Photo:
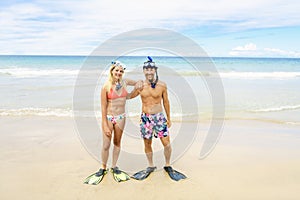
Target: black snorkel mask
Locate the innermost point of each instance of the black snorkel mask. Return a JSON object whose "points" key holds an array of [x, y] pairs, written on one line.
{"points": [[151, 64]]}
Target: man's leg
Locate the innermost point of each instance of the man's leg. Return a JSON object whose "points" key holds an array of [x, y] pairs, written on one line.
{"points": [[148, 151], [167, 149]]}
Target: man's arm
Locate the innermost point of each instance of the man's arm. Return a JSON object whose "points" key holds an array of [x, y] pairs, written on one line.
{"points": [[166, 104]]}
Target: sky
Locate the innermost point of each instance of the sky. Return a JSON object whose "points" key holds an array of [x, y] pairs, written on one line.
{"points": [[223, 28]]}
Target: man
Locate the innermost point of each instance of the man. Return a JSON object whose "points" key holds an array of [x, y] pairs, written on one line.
{"points": [[154, 96]]}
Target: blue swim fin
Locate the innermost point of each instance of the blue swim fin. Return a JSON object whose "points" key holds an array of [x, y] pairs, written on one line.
{"points": [[174, 175], [143, 174]]}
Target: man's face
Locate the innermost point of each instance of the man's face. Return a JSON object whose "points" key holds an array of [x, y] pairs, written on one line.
{"points": [[149, 73]]}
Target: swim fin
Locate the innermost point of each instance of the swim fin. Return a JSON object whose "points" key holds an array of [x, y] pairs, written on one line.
{"points": [[174, 175], [143, 174], [95, 178], [119, 175]]}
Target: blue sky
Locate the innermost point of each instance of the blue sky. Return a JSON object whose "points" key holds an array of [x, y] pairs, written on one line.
{"points": [[256, 28]]}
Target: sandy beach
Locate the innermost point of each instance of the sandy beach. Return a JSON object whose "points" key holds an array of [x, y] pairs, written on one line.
{"points": [[42, 158], [220, 60]]}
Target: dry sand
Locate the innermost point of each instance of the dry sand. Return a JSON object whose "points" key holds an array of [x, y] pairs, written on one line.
{"points": [[42, 158]]}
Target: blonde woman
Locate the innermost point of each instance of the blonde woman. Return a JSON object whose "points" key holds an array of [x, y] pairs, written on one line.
{"points": [[113, 99]]}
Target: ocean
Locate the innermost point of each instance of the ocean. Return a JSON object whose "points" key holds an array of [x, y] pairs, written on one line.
{"points": [[264, 89]]}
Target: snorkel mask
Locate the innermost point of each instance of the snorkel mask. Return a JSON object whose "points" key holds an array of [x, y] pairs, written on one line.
{"points": [[118, 64], [151, 64]]}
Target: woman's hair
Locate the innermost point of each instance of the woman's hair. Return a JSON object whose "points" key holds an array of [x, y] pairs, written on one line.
{"points": [[109, 82]]}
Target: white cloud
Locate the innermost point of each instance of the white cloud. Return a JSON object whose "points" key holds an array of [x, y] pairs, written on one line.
{"points": [[247, 47], [77, 27], [251, 50], [283, 53], [248, 50]]}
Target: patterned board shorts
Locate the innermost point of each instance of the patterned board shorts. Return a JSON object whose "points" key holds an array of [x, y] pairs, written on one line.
{"points": [[153, 125]]}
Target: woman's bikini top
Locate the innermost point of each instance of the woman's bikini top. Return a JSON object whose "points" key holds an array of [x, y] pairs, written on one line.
{"points": [[113, 95]]}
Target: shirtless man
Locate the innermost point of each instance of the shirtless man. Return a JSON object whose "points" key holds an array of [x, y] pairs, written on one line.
{"points": [[154, 96]]}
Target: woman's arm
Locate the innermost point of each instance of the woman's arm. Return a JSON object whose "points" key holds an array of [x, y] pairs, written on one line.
{"points": [[134, 93], [130, 82], [105, 127], [138, 87]]}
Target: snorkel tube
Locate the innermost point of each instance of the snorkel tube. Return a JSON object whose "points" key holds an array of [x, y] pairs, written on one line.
{"points": [[151, 64]]}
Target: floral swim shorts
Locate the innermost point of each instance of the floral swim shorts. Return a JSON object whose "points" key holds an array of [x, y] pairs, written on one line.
{"points": [[153, 125]]}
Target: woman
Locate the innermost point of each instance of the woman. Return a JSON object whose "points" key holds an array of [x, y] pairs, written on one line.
{"points": [[113, 100]]}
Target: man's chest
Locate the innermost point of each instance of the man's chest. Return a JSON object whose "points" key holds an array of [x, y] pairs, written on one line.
{"points": [[151, 92]]}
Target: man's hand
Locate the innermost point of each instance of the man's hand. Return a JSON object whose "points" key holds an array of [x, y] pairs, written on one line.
{"points": [[169, 123]]}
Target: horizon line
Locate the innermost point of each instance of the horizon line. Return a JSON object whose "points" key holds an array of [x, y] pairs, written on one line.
{"points": [[51, 55]]}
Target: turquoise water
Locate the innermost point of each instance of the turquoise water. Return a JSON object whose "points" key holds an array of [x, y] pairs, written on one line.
{"points": [[255, 88]]}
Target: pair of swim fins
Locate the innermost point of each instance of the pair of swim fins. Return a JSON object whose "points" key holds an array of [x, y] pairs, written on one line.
{"points": [[173, 174], [96, 178]]}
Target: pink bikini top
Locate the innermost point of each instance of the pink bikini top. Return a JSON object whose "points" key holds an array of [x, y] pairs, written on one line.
{"points": [[113, 95]]}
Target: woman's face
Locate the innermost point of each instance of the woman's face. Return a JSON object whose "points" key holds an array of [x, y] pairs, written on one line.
{"points": [[117, 72]]}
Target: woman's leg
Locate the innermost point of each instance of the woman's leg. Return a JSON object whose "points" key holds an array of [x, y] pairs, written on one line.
{"points": [[106, 146], [118, 132]]}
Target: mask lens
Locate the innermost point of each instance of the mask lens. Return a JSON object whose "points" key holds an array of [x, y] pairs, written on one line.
{"points": [[149, 64], [116, 63]]}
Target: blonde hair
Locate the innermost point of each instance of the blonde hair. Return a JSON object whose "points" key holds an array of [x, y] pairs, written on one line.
{"points": [[108, 84]]}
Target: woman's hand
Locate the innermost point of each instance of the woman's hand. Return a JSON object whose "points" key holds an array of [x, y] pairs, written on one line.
{"points": [[139, 85], [106, 131]]}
